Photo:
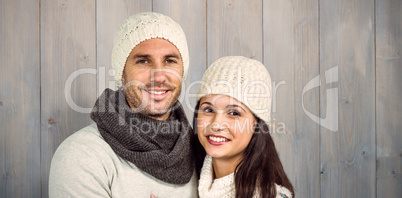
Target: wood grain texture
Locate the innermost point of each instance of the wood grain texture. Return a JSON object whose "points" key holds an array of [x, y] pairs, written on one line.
{"points": [[19, 99], [191, 15], [348, 155], [291, 56], [388, 94], [43, 43], [234, 27], [68, 45], [109, 15]]}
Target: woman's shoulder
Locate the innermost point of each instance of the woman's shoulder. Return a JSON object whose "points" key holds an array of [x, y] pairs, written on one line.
{"points": [[282, 192]]}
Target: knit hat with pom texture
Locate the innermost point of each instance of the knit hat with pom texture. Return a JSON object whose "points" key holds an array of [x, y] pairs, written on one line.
{"points": [[246, 80], [141, 27]]}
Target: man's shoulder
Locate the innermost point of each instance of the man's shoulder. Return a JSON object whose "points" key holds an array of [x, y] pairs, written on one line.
{"points": [[87, 141], [89, 132]]}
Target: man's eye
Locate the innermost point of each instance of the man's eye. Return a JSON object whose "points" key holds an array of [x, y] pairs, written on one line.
{"points": [[171, 61], [142, 61], [234, 113]]}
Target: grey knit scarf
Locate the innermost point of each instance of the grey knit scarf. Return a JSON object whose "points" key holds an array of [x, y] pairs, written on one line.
{"points": [[159, 148]]}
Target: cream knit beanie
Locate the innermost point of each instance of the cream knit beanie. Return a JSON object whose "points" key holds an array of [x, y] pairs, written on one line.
{"points": [[141, 27], [244, 79]]}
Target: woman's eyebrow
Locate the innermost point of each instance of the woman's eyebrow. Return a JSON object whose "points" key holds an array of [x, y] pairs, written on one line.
{"points": [[208, 103], [234, 105]]}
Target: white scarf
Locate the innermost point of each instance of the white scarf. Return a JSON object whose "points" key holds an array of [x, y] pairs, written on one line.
{"points": [[224, 187]]}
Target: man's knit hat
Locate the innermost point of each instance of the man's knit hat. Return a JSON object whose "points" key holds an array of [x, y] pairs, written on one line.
{"points": [[141, 27], [244, 79]]}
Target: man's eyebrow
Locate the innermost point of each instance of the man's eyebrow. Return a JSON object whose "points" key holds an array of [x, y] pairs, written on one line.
{"points": [[173, 55], [141, 56]]}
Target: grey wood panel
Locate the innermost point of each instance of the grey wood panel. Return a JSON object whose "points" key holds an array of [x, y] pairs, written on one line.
{"points": [[347, 155], [191, 15], [284, 34], [234, 27], [68, 47], [388, 94], [291, 55], [19, 99], [109, 15]]}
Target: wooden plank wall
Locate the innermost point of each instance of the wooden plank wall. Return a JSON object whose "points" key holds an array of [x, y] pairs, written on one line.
{"points": [[68, 45], [291, 55], [336, 70], [19, 99], [348, 162], [388, 91]]}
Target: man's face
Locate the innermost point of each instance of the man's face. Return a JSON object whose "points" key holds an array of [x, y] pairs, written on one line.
{"points": [[152, 78]]}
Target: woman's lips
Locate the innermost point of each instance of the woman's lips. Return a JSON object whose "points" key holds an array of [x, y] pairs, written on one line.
{"points": [[217, 140]]}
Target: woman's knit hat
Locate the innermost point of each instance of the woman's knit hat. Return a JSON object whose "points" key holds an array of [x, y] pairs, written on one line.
{"points": [[141, 27], [246, 80]]}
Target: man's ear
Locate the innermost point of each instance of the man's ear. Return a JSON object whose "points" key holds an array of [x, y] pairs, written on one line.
{"points": [[122, 78]]}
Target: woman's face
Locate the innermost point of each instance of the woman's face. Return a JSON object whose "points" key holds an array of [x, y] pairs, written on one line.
{"points": [[225, 127]]}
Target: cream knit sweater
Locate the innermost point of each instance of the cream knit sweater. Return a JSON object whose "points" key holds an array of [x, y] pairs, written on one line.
{"points": [[85, 165], [224, 187]]}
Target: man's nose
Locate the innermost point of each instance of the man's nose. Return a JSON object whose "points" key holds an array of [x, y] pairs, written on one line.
{"points": [[159, 73]]}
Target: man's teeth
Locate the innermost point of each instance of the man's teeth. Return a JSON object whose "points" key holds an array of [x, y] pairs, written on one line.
{"points": [[157, 92], [217, 139]]}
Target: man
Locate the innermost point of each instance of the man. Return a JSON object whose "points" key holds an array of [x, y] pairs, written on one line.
{"points": [[140, 142]]}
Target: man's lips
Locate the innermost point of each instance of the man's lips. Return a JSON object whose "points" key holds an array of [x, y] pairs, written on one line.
{"points": [[157, 94]]}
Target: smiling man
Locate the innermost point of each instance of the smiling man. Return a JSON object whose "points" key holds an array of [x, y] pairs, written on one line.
{"points": [[140, 142], [153, 71]]}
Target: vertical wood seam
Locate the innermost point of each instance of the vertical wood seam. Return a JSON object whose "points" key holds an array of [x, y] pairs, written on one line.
{"points": [[96, 52], [206, 35], [262, 35], [319, 95], [375, 95], [40, 99]]}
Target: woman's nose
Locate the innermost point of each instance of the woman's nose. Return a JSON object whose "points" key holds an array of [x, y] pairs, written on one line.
{"points": [[218, 123]]}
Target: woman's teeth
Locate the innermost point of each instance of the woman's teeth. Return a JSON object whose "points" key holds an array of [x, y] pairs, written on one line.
{"points": [[217, 139]]}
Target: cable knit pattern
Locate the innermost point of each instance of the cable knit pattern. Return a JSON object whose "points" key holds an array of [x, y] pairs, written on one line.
{"points": [[245, 79], [224, 187]]}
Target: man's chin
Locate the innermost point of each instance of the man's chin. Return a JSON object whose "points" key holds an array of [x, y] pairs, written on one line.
{"points": [[153, 111]]}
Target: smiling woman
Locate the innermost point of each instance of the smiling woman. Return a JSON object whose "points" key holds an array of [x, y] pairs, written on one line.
{"points": [[234, 147], [225, 128]]}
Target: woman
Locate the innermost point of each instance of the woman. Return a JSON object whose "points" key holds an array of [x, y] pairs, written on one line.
{"points": [[233, 108]]}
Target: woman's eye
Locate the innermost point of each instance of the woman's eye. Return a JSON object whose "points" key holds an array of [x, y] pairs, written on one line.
{"points": [[207, 110], [234, 113]]}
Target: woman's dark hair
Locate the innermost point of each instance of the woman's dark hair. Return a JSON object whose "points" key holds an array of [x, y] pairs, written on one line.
{"points": [[260, 167]]}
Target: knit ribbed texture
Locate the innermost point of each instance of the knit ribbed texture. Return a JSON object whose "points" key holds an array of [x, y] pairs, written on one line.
{"points": [[224, 187], [246, 80], [141, 27], [214, 188], [159, 148]]}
